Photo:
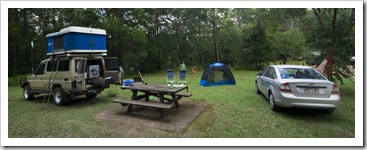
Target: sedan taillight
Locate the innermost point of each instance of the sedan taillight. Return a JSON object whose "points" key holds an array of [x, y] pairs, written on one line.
{"points": [[285, 87], [335, 89]]}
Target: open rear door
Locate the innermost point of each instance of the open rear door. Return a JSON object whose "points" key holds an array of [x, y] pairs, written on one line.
{"points": [[113, 69]]}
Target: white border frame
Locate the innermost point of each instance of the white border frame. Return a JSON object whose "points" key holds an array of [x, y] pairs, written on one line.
{"points": [[357, 141]]}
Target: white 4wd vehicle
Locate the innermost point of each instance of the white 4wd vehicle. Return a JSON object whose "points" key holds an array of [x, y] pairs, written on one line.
{"points": [[76, 66], [72, 76]]}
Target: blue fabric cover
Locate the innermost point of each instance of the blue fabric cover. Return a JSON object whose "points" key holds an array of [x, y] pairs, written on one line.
{"points": [[79, 41]]}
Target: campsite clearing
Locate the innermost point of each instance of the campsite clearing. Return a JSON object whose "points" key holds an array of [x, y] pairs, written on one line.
{"points": [[233, 111]]}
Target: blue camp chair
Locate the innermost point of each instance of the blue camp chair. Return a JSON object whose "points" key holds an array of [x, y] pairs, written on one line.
{"points": [[182, 78], [170, 76]]}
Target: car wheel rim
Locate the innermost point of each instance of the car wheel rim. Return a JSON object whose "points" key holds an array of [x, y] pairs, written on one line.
{"points": [[271, 101], [26, 94], [57, 97]]}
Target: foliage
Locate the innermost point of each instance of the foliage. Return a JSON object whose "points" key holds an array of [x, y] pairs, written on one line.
{"points": [[290, 43], [155, 39], [256, 48], [111, 92], [230, 45], [15, 80], [332, 33]]}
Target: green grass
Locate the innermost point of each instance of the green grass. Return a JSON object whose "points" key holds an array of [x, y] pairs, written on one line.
{"points": [[15, 81], [233, 111]]}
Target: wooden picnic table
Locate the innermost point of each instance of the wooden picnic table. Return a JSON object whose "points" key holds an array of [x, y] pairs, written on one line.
{"points": [[157, 90]]}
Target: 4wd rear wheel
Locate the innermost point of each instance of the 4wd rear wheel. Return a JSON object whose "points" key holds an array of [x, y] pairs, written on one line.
{"points": [[60, 97], [27, 94], [272, 104]]}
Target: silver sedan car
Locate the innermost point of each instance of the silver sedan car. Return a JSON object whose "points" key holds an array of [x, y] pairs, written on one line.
{"points": [[297, 86]]}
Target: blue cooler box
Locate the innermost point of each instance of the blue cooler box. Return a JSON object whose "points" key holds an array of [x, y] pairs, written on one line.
{"points": [[76, 40], [128, 82]]}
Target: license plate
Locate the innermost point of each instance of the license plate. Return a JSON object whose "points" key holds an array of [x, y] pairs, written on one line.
{"points": [[311, 91]]}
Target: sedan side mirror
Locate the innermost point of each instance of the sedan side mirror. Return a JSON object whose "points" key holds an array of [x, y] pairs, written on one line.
{"points": [[258, 73]]}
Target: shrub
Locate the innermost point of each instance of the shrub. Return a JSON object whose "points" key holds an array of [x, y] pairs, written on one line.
{"points": [[111, 93]]}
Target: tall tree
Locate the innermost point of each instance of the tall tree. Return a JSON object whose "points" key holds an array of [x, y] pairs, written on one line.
{"points": [[335, 38], [290, 43], [256, 47], [230, 43], [215, 35], [153, 39]]}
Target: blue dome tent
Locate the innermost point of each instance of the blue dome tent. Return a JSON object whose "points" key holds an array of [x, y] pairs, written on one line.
{"points": [[217, 74]]}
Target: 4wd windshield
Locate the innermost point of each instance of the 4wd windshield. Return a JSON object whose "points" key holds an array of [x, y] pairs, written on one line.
{"points": [[300, 73]]}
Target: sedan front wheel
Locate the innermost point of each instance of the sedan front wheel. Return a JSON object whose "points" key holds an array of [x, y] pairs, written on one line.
{"points": [[257, 88]]}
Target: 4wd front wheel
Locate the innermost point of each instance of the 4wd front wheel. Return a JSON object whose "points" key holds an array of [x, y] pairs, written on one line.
{"points": [[27, 94], [60, 97]]}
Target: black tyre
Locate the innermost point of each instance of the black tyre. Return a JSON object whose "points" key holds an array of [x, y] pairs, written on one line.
{"points": [[257, 88], [27, 94], [60, 97], [328, 111], [89, 96], [272, 104]]}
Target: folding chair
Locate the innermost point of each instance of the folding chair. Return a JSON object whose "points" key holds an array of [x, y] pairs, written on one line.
{"points": [[170, 76], [182, 78], [139, 79]]}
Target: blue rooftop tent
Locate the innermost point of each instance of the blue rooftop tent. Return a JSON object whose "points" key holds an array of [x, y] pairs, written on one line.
{"points": [[217, 74]]}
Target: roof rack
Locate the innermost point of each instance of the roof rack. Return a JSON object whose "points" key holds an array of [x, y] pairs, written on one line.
{"points": [[77, 54]]}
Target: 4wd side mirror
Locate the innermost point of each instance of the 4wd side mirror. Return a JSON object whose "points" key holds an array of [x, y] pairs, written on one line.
{"points": [[258, 73]]}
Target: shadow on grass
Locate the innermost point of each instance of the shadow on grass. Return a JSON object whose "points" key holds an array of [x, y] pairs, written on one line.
{"points": [[78, 101], [148, 114], [301, 113]]}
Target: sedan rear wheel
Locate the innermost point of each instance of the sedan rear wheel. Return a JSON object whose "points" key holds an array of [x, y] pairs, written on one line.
{"points": [[328, 111], [272, 104]]}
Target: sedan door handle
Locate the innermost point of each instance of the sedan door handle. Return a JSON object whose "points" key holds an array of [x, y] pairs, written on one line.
{"points": [[267, 82]]}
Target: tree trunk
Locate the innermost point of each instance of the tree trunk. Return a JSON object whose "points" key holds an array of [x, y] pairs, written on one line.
{"points": [[284, 60], [215, 37], [329, 66], [156, 22], [25, 35]]}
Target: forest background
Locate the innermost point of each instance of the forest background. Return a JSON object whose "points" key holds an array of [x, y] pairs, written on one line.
{"points": [[154, 39]]}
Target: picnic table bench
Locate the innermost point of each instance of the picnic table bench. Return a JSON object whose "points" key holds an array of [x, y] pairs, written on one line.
{"points": [[157, 90], [183, 94]]}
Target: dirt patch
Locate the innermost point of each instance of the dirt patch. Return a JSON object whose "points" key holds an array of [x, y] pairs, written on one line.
{"points": [[176, 120]]}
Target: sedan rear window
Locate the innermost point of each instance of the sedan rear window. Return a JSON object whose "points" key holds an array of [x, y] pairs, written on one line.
{"points": [[300, 73]]}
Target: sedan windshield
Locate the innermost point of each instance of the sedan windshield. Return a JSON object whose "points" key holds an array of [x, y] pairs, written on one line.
{"points": [[300, 73]]}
